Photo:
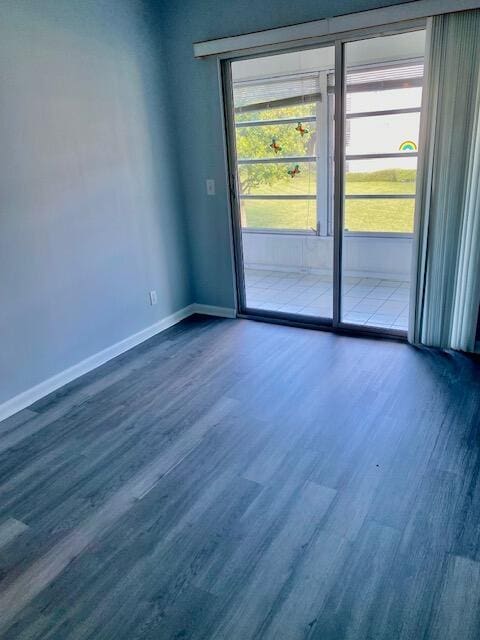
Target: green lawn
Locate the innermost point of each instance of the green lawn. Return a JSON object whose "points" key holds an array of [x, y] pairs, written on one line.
{"points": [[360, 215]]}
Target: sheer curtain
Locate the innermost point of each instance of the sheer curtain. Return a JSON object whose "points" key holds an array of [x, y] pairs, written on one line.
{"points": [[446, 283]]}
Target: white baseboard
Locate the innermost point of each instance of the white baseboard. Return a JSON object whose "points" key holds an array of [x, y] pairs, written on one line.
{"points": [[28, 397]]}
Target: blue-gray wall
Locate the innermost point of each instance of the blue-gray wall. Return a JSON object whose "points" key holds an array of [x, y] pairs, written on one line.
{"points": [[194, 90], [90, 219]]}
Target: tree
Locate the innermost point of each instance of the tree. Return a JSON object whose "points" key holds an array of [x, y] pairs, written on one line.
{"points": [[254, 142]]}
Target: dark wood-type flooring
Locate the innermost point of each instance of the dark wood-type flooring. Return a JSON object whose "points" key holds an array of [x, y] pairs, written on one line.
{"points": [[233, 480]]}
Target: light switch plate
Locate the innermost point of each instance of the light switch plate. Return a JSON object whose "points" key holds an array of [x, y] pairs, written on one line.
{"points": [[153, 297], [210, 187]]}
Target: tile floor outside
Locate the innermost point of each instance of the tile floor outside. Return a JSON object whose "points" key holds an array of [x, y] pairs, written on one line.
{"points": [[365, 301]]}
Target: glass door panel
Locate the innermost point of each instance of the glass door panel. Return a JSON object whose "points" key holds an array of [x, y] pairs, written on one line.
{"points": [[283, 121], [384, 78]]}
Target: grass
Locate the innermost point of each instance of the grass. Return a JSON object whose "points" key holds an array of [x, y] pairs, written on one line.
{"points": [[395, 216], [360, 215]]}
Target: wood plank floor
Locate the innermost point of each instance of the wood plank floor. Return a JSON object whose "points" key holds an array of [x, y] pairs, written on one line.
{"points": [[234, 480]]}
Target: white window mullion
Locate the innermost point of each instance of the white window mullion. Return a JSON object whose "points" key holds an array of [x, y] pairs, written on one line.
{"points": [[322, 153]]}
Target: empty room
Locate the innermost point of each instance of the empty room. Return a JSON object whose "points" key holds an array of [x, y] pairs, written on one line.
{"points": [[239, 320]]}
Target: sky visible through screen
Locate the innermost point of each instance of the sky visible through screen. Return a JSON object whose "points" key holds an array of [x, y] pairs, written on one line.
{"points": [[382, 134]]}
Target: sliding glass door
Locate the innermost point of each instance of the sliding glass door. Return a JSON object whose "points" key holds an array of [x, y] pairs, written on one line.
{"points": [[283, 123], [381, 131], [323, 215]]}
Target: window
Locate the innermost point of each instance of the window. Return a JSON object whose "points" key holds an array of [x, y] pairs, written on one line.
{"points": [[382, 125], [284, 138], [278, 143]]}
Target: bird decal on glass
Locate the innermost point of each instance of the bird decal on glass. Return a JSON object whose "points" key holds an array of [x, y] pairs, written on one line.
{"points": [[301, 129], [276, 147], [294, 172]]}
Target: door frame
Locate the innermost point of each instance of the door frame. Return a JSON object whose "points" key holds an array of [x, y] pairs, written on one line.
{"points": [[227, 111]]}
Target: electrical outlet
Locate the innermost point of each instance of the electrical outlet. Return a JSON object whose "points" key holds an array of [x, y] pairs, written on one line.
{"points": [[153, 297], [210, 187]]}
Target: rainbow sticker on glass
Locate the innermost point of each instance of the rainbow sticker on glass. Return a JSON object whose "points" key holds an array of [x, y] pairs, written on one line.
{"points": [[408, 145]]}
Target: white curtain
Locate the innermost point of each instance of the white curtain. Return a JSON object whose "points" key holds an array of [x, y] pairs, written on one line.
{"points": [[446, 285]]}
